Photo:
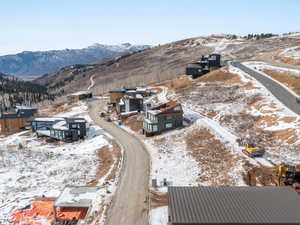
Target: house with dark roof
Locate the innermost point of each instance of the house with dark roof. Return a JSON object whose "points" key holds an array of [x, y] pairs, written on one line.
{"points": [[204, 65], [233, 205], [15, 119], [116, 95], [59, 128], [130, 102], [164, 117]]}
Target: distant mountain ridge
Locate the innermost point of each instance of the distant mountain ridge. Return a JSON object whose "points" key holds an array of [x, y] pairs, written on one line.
{"points": [[37, 63]]}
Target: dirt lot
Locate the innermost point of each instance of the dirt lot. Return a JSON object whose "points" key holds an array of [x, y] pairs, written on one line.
{"points": [[107, 157], [158, 199], [134, 122], [214, 158], [290, 81]]}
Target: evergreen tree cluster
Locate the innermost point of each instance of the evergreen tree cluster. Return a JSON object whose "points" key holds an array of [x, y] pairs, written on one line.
{"points": [[14, 91], [259, 36]]}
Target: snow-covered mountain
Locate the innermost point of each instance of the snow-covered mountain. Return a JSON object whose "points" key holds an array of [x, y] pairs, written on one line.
{"points": [[37, 63]]}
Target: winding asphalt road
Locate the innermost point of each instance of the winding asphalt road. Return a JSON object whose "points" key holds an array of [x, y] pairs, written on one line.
{"points": [[130, 204], [281, 93]]}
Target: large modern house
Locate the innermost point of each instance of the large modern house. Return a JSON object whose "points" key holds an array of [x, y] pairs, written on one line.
{"points": [[166, 116], [15, 119], [130, 103], [233, 205], [115, 96], [204, 65], [64, 129]]}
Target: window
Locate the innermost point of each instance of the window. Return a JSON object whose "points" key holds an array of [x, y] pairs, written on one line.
{"points": [[154, 128], [168, 117], [177, 108], [74, 126], [169, 125]]}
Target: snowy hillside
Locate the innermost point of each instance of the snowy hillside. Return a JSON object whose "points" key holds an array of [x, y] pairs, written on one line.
{"points": [[31, 167]]}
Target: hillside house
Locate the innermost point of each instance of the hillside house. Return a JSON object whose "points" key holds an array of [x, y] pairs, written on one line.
{"points": [[75, 97], [15, 119], [204, 65], [164, 117], [130, 102], [233, 205], [116, 95], [64, 129]]}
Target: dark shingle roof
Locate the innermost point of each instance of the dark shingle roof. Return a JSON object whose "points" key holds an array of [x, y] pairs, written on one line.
{"points": [[234, 205]]}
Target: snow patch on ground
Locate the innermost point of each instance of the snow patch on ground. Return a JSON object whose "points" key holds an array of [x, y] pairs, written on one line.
{"points": [[159, 216], [171, 160], [258, 66], [30, 167], [293, 52]]}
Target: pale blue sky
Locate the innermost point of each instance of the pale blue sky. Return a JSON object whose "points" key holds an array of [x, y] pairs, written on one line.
{"points": [[59, 24]]}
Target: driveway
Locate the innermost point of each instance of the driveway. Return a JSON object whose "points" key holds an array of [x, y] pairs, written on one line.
{"points": [[281, 93], [130, 204]]}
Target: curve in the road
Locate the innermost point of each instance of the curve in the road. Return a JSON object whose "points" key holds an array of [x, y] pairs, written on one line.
{"points": [[92, 83], [283, 95], [130, 205]]}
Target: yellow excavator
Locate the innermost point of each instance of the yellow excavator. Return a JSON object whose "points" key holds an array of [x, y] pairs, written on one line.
{"points": [[288, 175], [253, 151]]}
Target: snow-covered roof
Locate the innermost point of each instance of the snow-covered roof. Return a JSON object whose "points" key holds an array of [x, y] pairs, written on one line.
{"points": [[61, 125], [77, 197], [131, 91], [128, 113], [81, 93], [79, 120], [48, 119], [23, 107], [43, 132], [142, 89], [154, 112]]}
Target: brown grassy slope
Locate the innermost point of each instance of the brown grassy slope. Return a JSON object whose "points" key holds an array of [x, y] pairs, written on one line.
{"points": [[149, 66], [290, 81], [217, 76], [156, 64], [214, 158]]}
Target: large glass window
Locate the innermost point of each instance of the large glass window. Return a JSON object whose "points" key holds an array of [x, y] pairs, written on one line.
{"points": [[169, 125], [154, 128], [177, 108], [74, 126]]}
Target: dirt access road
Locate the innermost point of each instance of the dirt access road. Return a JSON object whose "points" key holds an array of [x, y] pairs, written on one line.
{"points": [[130, 204], [281, 93]]}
